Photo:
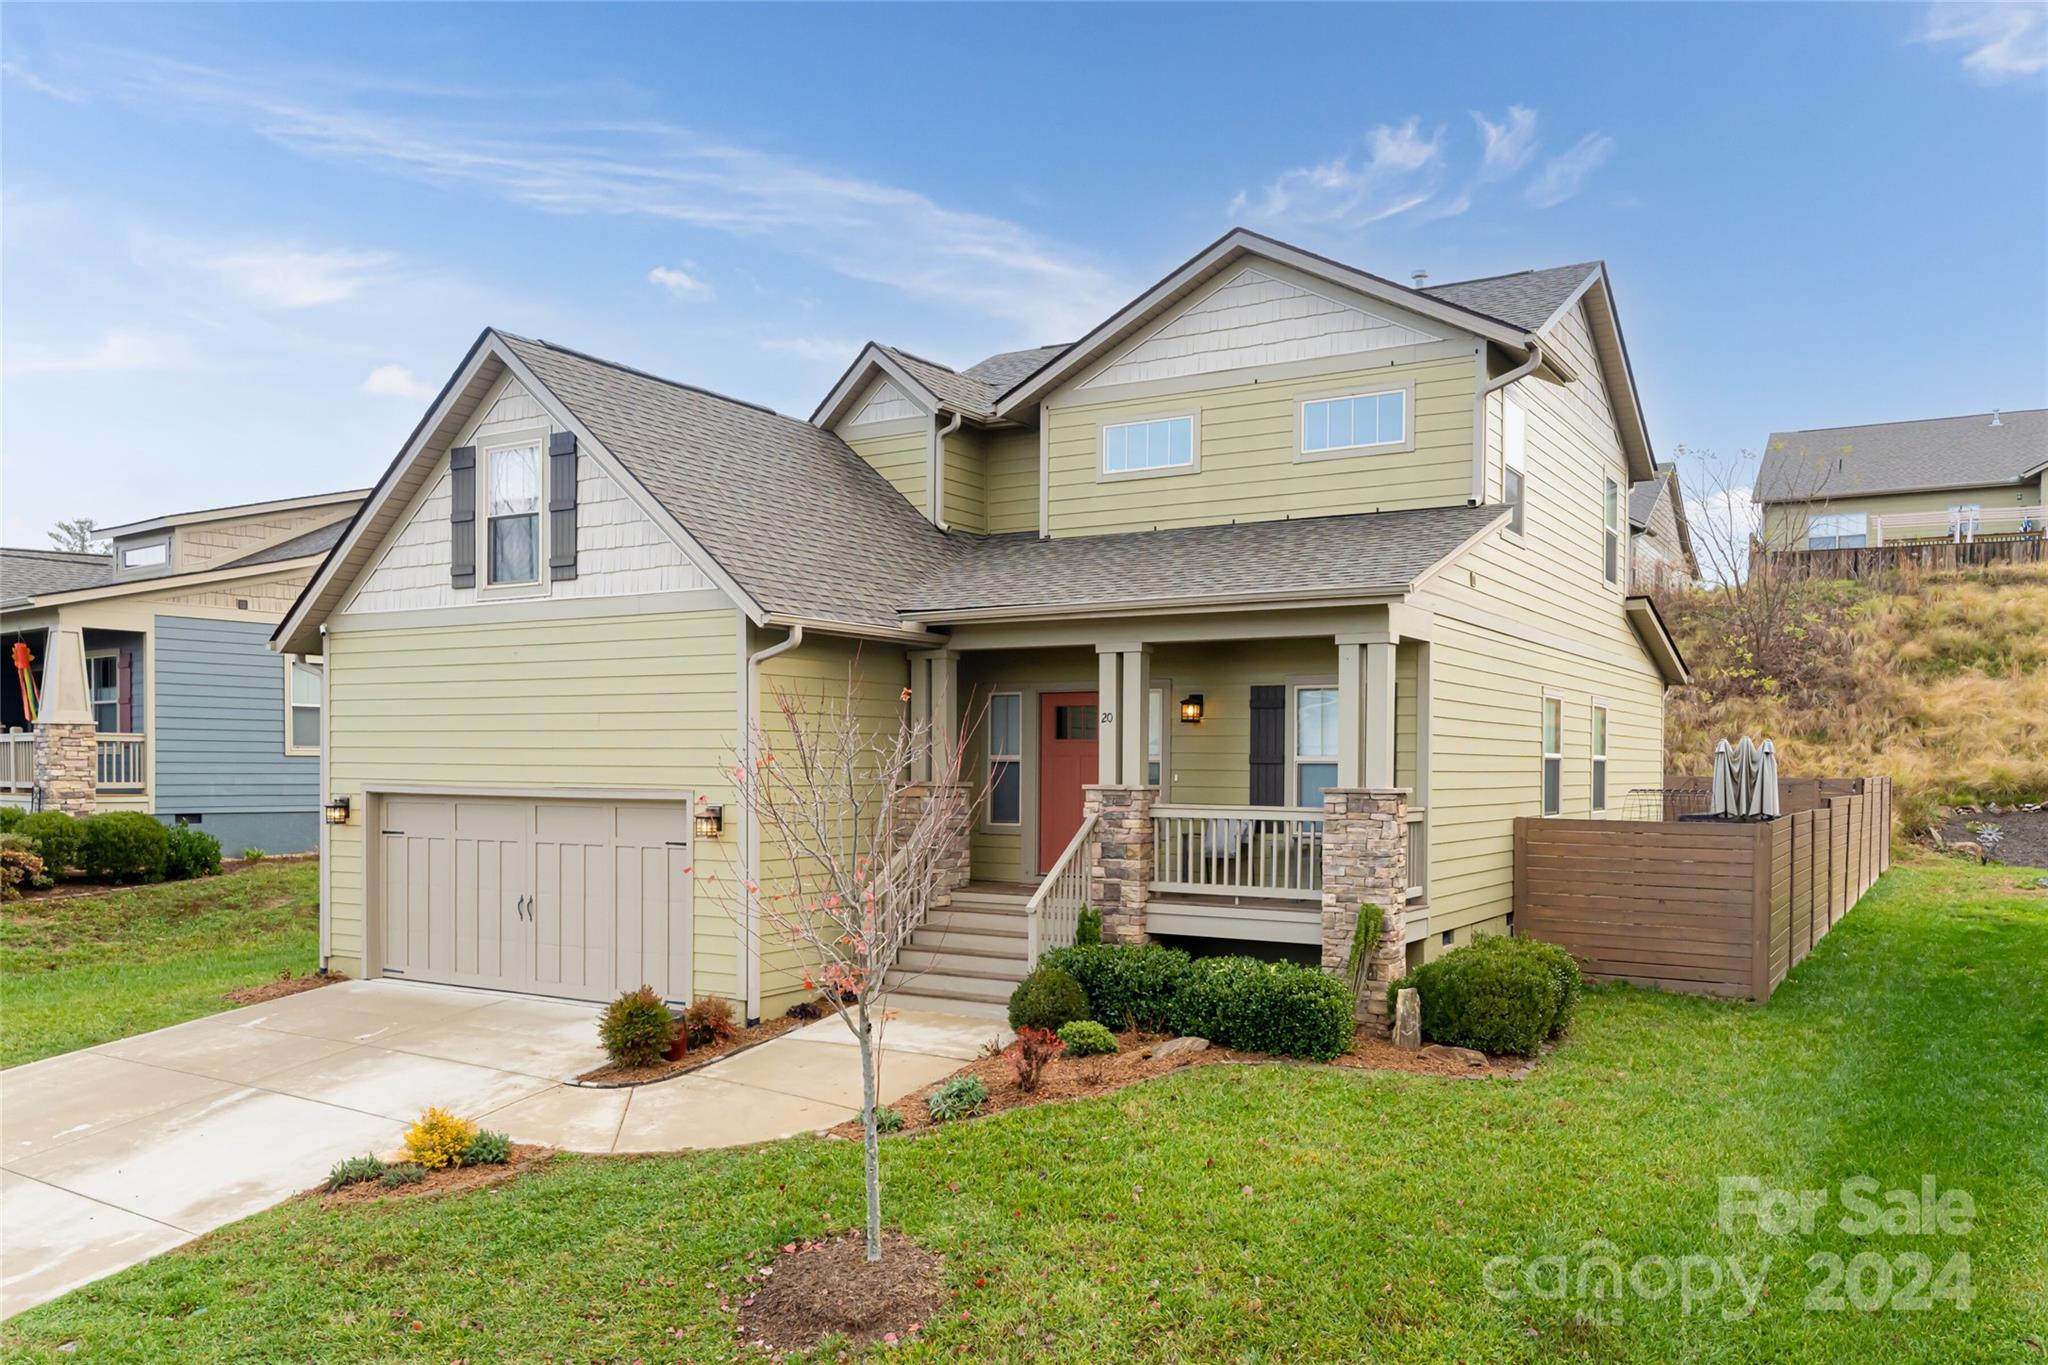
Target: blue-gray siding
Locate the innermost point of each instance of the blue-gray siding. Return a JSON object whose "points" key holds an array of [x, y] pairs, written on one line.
{"points": [[219, 735]]}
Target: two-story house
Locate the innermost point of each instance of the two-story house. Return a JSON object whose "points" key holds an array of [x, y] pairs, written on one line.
{"points": [[142, 679], [1280, 593]]}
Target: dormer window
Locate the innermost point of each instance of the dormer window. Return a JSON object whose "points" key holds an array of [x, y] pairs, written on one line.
{"points": [[153, 555], [512, 536]]}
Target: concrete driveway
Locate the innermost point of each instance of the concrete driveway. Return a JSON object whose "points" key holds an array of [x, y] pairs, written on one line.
{"points": [[111, 1155]]}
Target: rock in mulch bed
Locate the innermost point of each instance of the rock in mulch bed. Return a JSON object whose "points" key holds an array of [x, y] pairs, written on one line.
{"points": [[2021, 839], [820, 1290], [448, 1180], [286, 984], [1370, 1052], [614, 1074]]}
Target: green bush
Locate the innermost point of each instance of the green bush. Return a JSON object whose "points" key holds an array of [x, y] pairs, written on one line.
{"points": [[1497, 994], [487, 1148], [956, 1099], [637, 1028], [1086, 1038], [190, 852], [1254, 1006], [11, 818], [123, 845], [54, 836], [888, 1120], [1047, 999], [1088, 929], [405, 1173], [1127, 987], [353, 1171], [253, 855]]}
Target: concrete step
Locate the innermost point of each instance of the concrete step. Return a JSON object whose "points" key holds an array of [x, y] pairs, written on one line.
{"points": [[949, 1004], [992, 965], [989, 900], [976, 921], [953, 986], [960, 940]]}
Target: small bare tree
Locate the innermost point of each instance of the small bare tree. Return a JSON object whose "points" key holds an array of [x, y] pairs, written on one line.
{"points": [[862, 852]]}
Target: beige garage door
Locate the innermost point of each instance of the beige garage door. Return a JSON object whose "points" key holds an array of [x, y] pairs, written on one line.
{"points": [[581, 899]]}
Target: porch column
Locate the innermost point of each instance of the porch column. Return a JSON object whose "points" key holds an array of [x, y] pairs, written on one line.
{"points": [[1136, 700], [1365, 874], [1108, 695], [952, 801], [67, 742], [935, 702], [1120, 873], [1124, 684], [1365, 710]]}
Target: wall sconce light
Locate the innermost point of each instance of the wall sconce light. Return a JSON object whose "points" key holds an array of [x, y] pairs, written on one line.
{"points": [[336, 810], [710, 820], [1191, 708]]}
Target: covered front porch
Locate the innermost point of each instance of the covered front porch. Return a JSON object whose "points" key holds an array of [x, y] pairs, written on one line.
{"points": [[74, 730], [1242, 779]]}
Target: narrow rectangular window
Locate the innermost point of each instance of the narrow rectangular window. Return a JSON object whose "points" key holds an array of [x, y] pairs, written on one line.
{"points": [[1166, 443], [1599, 758], [303, 698], [103, 681], [1155, 739], [1514, 437], [145, 556], [1005, 758], [1611, 519], [1355, 422], [1553, 755], [513, 534], [1315, 744]]}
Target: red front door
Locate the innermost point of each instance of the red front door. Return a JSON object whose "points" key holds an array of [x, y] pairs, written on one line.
{"points": [[1066, 761]]}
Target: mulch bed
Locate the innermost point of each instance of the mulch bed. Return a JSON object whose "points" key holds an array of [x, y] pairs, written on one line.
{"points": [[613, 1074], [816, 1290], [447, 1180], [287, 984], [1370, 1052], [73, 888], [2022, 834]]}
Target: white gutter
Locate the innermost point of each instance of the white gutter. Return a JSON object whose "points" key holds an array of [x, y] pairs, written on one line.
{"points": [[1529, 366], [939, 435], [750, 843]]}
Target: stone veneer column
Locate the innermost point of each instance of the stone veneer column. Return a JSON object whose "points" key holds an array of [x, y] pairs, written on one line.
{"points": [[1365, 862], [67, 767], [951, 858], [1120, 875]]}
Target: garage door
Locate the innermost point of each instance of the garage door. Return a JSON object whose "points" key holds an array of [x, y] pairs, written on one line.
{"points": [[581, 899]]}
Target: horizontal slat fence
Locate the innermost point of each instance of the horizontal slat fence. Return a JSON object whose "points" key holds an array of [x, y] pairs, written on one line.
{"points": [[1706, 907]]}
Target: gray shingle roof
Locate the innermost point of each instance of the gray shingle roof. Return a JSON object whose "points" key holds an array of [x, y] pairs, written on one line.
{"points": [[1007, 367], [1643, 495], [1526, 299], [800, 522], [315, 542], [26, 574], [974, 390], [1310, 557], [1903, 457]]}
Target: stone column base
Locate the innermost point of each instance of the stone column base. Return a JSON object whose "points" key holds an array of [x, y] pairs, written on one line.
{"points": [[1120, 873], [952, 800], [1365, 864], [68, 766]]}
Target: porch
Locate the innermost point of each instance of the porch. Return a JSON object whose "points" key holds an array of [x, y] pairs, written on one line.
{"points": [[83, 707]]}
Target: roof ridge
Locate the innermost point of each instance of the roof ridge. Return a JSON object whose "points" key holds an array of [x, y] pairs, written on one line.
{"points": [[624, 368], [922, 360], [1911, 421], [1512, 274], [53, 554]]}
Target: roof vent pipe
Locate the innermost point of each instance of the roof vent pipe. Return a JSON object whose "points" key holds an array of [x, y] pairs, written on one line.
{"points": [[1421, 277], [1996, 420]]}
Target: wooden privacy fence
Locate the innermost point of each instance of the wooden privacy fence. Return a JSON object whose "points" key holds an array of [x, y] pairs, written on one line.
{"points": [[1932, 556], [1707, 907]]}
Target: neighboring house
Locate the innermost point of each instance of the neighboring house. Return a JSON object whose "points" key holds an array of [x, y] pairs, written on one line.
{"points": [[1282, 591], [1940, 479], [1660, 538], [158, 689]]}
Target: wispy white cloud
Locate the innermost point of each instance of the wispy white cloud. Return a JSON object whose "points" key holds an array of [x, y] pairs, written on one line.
{"points": [[818, 350], [1508, 144], [287, 278], [1394, 173], [2001, 42], [1565, 175], [680, 284], [396, 381], [31, 80], [120, 350]]}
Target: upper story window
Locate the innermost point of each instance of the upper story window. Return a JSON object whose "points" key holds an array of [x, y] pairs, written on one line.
{"points": [[1315, 743], [302, 701], [1006, 758], [1363, 421], [1163, 445], [1610, 519], [512, 537], [145, 556], [1837, 531], [1514, 439]]}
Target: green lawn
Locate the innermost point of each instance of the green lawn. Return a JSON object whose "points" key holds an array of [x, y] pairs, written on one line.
{"points": [[78, 972], [1267, 1214]]}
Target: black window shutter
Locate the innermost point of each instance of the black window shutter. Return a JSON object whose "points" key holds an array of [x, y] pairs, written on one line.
{"points": [[462, 517], [562, 505], [1269, 746]]}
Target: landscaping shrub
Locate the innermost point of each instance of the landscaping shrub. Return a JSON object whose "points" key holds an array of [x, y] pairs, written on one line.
{"points": [[710, 1020], [1047, 999], [19, 867], [637, 1029], [11, 818], [956, 1099], [1127, 986], [123, 845], [1497, 994], [1088, 929], [55, 837], [1086, 1038], [405, 1173], [253, 855], [190, 852], [1030, 1054], [353, 1171], [439, 1139], [1255, 1006], [488, 1149], [888, 1120]]}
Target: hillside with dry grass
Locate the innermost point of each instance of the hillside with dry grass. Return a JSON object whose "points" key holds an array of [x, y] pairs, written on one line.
{"points": [[1938, 681]]}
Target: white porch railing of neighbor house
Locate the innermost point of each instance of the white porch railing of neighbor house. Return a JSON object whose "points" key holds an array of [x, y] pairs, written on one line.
{"points": [[18, 761], [1269, 852], [1964, 525], [121, 762], [1054, 910]]}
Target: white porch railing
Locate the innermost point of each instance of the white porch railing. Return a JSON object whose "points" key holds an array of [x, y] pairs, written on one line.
{"points": [[1271, 852], [1053, 913], [1963, 526], [121, 762], [18, 761]]}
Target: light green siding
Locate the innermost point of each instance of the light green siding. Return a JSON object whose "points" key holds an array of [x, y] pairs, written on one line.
{"points": [[1012, 459], [902, 452], [1246, 445], [632, 702], [966, 491], [1785, 522]]}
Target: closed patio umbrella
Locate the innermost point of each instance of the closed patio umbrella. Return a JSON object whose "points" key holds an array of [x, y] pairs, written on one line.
{"points": [[1743, 772], [1721, 798], [1767, 779]]}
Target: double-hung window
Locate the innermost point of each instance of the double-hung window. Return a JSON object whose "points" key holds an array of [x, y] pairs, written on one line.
{"points": [[1315, 743], [302, 701], [1837, 531], [1599, 758], [1163, 445], [1553, 755], [103, 682], [1514, 438], [1361, 421], [512, 533], [1610, 517], [1006, 758]]}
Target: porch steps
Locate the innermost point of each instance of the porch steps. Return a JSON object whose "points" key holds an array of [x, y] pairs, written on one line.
{"points": [[966, 958]]}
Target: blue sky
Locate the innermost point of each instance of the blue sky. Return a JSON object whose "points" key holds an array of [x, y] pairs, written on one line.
{"points": [[242, 246]]}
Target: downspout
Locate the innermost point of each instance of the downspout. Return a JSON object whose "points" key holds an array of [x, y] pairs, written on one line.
{"points": [[1529, 366], [750, 843], [939, 435]]}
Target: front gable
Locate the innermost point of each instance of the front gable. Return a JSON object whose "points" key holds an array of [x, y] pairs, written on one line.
{"points": [[883, 402]]}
